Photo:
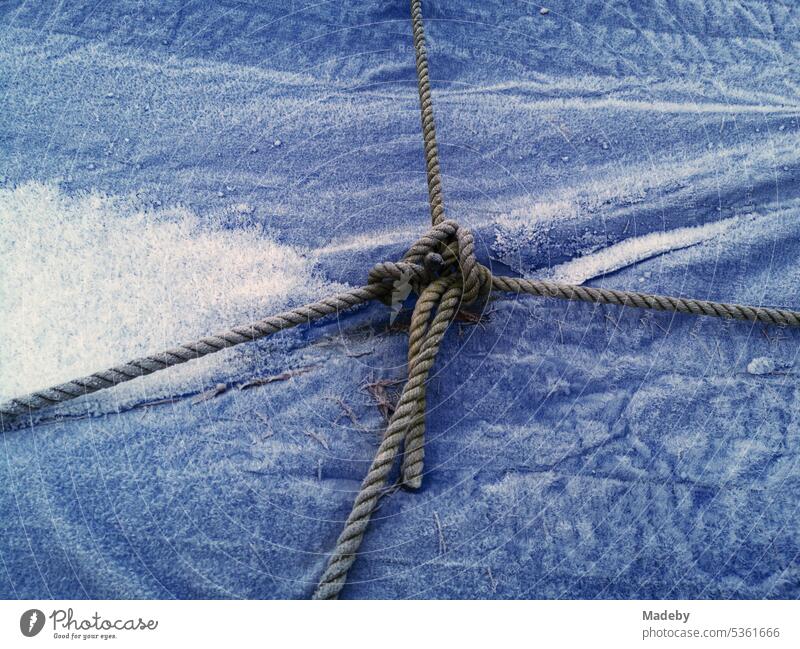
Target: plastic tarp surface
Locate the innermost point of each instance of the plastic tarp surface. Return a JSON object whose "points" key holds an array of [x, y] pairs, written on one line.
{"points": [[169, 169]]}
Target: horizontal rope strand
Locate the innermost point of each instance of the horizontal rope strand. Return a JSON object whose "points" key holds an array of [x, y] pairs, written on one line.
{"points": [[544, 288], [343, 301]]}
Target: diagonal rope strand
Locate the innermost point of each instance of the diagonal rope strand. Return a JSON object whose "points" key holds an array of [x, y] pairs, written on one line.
{"points": [[447, 295], [455, 246], [189, 351]]}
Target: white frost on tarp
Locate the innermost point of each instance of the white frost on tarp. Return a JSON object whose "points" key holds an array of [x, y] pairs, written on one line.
{"points": [[636, 249], [761, 365], [91, 280]]}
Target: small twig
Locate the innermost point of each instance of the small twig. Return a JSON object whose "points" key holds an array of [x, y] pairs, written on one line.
{"points": [[319, 438], [265, 420], [218, 389], [666, 331], [284, 376], [440, 531], [261, 561], [398, 325], [614, 322], [359, 354], [472, 318], [377, 390], [492, 580], [157, 402], [348, 412], [389, 492], [779, 337], [560, 330]]}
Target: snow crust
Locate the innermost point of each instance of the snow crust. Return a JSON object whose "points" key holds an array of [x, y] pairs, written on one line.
{"points": [[91, 280]]}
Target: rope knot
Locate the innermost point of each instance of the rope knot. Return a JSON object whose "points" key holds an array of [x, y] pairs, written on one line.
{"points": [[447, 250]]}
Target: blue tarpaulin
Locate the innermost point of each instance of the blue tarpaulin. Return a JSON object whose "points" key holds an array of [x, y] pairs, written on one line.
{"points": [[169, 169]]}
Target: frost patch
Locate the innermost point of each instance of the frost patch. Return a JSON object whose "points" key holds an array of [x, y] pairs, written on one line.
{"points": [[91, 280], [761, 365], [637, 249]]}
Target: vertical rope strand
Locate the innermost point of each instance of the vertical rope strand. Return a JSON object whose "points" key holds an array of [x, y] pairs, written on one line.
{"points": [[435, 197]]}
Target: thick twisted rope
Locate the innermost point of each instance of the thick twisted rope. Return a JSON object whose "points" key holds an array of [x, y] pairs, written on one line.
{"points": [[462, 279], [426, 114], [347, 300], [189, 351], [463, 282], [544, 288], [442, 267], [407, 420]]}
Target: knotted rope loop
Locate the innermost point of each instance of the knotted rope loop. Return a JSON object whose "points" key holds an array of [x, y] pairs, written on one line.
{"points": [[446, 274], [398, 272], [446, 250], [434, 311], [477, 279], [419, 266], [422, 352]]}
